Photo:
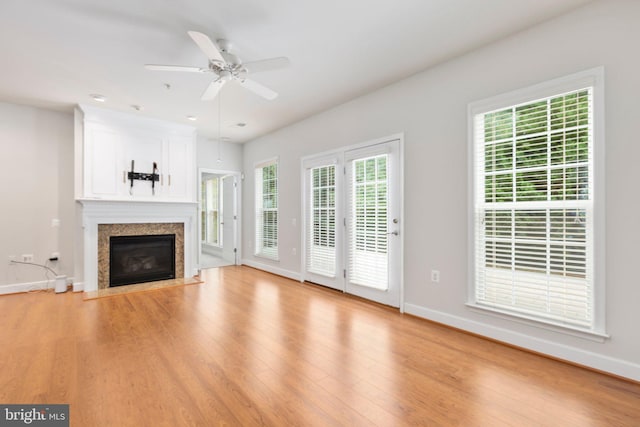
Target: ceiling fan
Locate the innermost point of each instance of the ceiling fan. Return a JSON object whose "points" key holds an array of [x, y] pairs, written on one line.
{"points": [[227, 67]]}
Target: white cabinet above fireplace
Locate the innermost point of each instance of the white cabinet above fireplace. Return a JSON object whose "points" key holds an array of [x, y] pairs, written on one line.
{"points": [[111, 141]]}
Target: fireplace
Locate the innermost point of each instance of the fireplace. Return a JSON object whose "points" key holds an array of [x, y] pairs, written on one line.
{"points": [[103, 219], [139, 259], [145, 236]]}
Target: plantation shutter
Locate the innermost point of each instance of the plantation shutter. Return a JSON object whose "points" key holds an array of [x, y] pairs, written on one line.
{"points": [[534, 209], [321, 220], [368, 239], [210, 211], [266, 203]]}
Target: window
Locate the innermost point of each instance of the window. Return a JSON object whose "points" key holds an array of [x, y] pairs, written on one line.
{"points": [[321, 241], [369, 239], [534, 212], [211, 215], [266, 188]]}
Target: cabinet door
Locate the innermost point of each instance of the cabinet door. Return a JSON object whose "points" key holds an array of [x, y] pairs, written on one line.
{"points": [[102, 152], [179, 162]]}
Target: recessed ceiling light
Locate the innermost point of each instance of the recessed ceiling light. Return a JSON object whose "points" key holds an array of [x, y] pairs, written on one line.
{"points": [[241, 124], [192, 118], [97, 97], [137, 107]]}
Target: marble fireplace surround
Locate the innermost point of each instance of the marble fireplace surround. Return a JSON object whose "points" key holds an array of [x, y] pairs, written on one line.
{"points": [[105, 231], [101, 218]]}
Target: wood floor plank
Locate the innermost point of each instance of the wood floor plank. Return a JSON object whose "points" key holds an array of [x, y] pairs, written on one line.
{"points": [[249, 348]]}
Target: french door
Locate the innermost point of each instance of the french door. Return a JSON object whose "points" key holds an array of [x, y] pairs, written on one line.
{"points": [[218, 225], [373, 223], [229, 218], [352, 227]]}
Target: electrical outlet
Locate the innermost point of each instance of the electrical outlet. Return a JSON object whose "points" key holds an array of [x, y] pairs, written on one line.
{"points": [[435, 276], [27, 258], [294, 251]]}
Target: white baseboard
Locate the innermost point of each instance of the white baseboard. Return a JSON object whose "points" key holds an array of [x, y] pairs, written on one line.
{"points": [[571, 354], [27, 287], [271, 269], [78, 286]]}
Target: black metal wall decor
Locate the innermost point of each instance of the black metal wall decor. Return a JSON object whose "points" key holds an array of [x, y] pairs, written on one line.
{"points": [[153, 177]]}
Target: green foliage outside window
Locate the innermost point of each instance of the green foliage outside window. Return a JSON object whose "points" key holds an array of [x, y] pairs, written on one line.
{"points": [[540, 147], [370, 204], [270, 206], [537, 152], [324, 206]]}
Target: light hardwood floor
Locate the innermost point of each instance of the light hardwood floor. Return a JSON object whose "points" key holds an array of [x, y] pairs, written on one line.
{"points": [[248, 348]]}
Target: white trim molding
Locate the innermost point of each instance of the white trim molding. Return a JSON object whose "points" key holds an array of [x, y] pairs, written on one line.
{"points": [[271, 269], [570, 354], [593, 284], [27, 287], [96, 212]]}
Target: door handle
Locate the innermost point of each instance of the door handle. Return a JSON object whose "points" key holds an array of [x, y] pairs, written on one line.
{"points": [[395, 233]]}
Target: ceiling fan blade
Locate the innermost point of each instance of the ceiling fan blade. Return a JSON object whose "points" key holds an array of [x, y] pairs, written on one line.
{"points": [[207, 46], [157, 67], [266, 64], [258, 89], [213, 89]]}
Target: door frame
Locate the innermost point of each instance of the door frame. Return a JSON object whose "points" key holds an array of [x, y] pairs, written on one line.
{"points": [[339, 153], [237, 227], [391, 295]]}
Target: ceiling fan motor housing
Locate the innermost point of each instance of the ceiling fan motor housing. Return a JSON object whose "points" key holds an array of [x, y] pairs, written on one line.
{"points": [[227, 66], [224, 45]]}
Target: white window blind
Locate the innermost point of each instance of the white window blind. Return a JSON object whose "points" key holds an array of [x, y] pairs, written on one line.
{"points": [[266, 203], [533, 201], [211, 230], [321, 238], [367, 256]]}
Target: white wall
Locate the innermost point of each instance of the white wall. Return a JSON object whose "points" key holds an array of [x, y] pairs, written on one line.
{"points": [[430, 108], [207, 155], [36, 171]]}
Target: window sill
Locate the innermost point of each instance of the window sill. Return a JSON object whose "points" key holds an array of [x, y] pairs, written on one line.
{"points": [[538, 323]]}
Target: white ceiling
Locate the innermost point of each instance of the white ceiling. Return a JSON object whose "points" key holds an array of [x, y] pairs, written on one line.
{"points": [[54, 53]]}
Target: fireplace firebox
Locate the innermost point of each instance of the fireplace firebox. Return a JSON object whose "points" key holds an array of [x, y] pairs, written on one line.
{"points": [[139, 259]]}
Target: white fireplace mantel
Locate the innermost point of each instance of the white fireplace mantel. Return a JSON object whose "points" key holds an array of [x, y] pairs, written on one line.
{"points": [[96, 211]]}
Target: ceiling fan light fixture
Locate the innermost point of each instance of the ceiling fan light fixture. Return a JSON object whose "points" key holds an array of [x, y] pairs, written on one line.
{"points": [[226, 66]]}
